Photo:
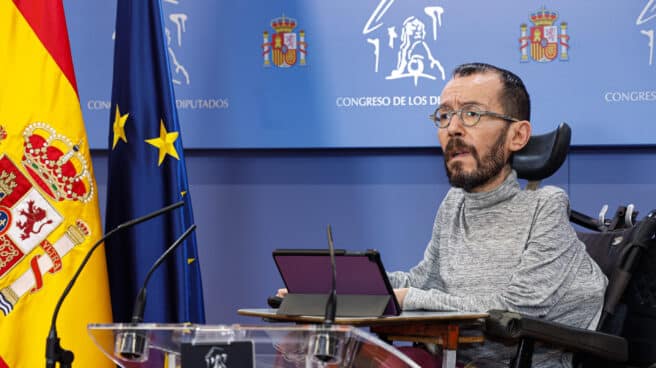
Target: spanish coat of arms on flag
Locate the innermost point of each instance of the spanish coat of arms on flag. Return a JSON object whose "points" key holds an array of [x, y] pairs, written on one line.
{"points": [[49, 216]]}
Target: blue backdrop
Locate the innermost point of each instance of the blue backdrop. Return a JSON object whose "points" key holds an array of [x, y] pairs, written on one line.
{"points": [[248, 202], [252, 201], [261, 74]]}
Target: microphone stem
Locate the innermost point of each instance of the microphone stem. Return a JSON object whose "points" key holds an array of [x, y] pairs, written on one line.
{"points": [[140, 302], [331, 303], [331, 306], [96, 245], [169, 251], [54, 352]]}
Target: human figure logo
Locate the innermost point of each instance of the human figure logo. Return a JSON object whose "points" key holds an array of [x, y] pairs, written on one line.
{"points": [[414, 57], [646, 15], [174, 44]]}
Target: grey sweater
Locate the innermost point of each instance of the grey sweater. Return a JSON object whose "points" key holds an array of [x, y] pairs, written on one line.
{"points": [[509, 249]]}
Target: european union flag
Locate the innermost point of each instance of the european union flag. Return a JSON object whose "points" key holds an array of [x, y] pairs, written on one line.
{"points": [[146, 172]]}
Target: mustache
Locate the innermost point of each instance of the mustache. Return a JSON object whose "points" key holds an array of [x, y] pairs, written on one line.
{"points": [[456, 144]]}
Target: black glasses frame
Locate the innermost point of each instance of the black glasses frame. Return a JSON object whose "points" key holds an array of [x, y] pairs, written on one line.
{"points": [[449, 116]]}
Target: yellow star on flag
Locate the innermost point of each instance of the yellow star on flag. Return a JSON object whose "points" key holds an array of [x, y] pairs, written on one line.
{"points": [[165, 143], [119, 127]]}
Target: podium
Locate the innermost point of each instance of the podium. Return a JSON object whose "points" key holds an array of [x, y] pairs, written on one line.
{"points": [[447, 329], [228, 346]]}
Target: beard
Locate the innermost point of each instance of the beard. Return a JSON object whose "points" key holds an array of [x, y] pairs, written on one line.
{"points": [[486, 169]]}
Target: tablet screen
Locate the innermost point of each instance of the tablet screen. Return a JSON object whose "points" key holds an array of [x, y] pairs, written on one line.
{"points": [[308, 271]]}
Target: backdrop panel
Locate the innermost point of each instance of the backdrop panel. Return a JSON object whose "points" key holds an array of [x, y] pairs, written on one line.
{"points": [[262, 74]]}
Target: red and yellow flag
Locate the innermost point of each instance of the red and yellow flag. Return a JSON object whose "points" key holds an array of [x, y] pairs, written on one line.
{"points": [[49, 216]]}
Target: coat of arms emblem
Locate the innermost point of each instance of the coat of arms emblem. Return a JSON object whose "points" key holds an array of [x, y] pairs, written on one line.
{"points": [[286, 48], [545, 38], [53, 172]]}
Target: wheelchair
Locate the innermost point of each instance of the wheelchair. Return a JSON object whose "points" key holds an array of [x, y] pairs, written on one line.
{"points": [[625, 249]]}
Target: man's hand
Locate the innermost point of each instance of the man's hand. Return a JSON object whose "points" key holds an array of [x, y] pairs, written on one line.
{"points": [[281, 292], [400, 295]]}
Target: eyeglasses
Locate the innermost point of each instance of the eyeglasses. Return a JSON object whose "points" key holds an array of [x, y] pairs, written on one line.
{"points": [[469, 116]]}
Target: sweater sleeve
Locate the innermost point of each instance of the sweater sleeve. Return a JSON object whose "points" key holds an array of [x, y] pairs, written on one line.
{"points": [[547, 269]]}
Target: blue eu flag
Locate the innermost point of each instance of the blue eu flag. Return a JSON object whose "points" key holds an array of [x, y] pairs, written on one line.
{"points": [[146, 172]]}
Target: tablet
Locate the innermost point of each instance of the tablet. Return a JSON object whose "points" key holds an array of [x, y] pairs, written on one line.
{"points": [[308, 271]]}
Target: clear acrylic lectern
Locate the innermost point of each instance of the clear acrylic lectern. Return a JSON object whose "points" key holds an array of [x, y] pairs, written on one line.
{"points": [[229, 346]]}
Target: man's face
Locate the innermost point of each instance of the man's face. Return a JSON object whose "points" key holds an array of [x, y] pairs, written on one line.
{"points": [[474, 156]]}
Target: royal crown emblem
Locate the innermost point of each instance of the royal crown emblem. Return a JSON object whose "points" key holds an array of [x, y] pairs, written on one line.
{"points": [[56, 164], [284, 49], [544, 39]]}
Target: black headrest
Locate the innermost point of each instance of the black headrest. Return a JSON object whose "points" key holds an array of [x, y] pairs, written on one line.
{"points": [[543, 154]]}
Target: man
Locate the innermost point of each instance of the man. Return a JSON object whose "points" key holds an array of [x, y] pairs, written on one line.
{"points": [[494, 245]]}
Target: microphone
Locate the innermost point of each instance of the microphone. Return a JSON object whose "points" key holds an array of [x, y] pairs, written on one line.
{"points": [[54, 352], [325, 344], [132, 345], [331, 303]]}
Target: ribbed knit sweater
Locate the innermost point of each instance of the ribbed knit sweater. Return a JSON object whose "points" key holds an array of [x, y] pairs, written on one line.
{"points": [[509, 249]]}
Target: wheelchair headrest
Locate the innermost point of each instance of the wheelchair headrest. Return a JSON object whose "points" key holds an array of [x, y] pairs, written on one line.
{"points": [[543, 154]]}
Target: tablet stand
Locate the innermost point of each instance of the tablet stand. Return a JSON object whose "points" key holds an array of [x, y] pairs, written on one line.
{"points": [[347, 305]]}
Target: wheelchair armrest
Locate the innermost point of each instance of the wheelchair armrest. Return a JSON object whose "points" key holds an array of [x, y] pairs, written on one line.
{"points": [[514, 326], [585, 221]]}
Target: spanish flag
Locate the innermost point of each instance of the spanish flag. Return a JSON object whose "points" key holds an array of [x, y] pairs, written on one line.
{"points": [[49, 215]]}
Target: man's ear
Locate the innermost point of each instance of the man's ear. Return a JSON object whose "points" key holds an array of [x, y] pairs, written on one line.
{"points": [[519, 134]]}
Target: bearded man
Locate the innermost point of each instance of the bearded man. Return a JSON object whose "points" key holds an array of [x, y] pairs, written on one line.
{"points": [[494, 245]]}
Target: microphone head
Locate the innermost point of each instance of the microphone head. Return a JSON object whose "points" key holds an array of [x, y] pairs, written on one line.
{"points": [[132, 346], [325, 347]]}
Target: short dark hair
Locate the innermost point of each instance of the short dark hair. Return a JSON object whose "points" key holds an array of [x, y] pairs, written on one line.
{"points": [[514, 98]]}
